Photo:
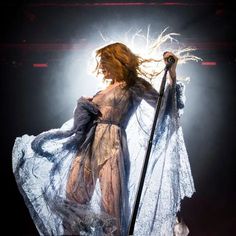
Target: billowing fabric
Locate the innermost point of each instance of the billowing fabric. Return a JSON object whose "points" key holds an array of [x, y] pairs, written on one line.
{"points": [[81, 179]]}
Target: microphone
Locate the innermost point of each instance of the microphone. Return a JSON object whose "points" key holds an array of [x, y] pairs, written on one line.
{"points": [[170, 60]]}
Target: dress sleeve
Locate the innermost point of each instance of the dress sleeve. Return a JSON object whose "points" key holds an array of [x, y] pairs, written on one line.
{"points": [[176, 97], [180, 95], [175, 92]]}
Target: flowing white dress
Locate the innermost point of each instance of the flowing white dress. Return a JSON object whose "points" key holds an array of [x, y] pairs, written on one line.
{"points": [[108, 137]]}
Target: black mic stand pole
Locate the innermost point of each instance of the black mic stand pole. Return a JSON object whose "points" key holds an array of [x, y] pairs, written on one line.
{"points": [[170, 61]]}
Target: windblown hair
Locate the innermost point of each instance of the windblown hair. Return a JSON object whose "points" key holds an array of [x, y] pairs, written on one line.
{"points": [[124, 65], [121, 62]]}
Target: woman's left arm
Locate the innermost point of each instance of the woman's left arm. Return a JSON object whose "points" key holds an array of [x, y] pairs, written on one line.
{"points": [[177, 89], [151, 95], [172, 71]]}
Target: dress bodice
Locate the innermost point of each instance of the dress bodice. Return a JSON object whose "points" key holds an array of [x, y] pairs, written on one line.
{"points": [[117, 103]]}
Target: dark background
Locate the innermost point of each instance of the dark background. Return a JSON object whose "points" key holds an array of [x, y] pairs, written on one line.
{"points": [[37, 99]]}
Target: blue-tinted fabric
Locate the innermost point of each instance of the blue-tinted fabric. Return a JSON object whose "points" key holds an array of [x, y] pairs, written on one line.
{"points": [[109, 129]]}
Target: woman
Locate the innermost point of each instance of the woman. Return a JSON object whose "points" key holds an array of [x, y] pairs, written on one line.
{"points": [[91, 195]]}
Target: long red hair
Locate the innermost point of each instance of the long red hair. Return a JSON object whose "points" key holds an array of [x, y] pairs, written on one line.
{"points": [[121, 63]]}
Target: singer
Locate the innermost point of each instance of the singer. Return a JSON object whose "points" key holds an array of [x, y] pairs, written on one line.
{"points": [[81, 179]]}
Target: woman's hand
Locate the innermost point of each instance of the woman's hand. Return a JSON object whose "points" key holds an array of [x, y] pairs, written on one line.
{"points": [[172, 70]]}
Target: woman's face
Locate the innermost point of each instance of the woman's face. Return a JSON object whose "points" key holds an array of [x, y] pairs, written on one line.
{"points": [[104, 69], [106, 73]]}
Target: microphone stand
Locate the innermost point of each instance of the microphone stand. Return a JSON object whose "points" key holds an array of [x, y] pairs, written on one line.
{"points": [[170, 61]]}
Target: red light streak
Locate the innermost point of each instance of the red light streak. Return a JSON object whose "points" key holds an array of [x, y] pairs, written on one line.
{"points": [[208, 63], [105, 4], [40, 65]]}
